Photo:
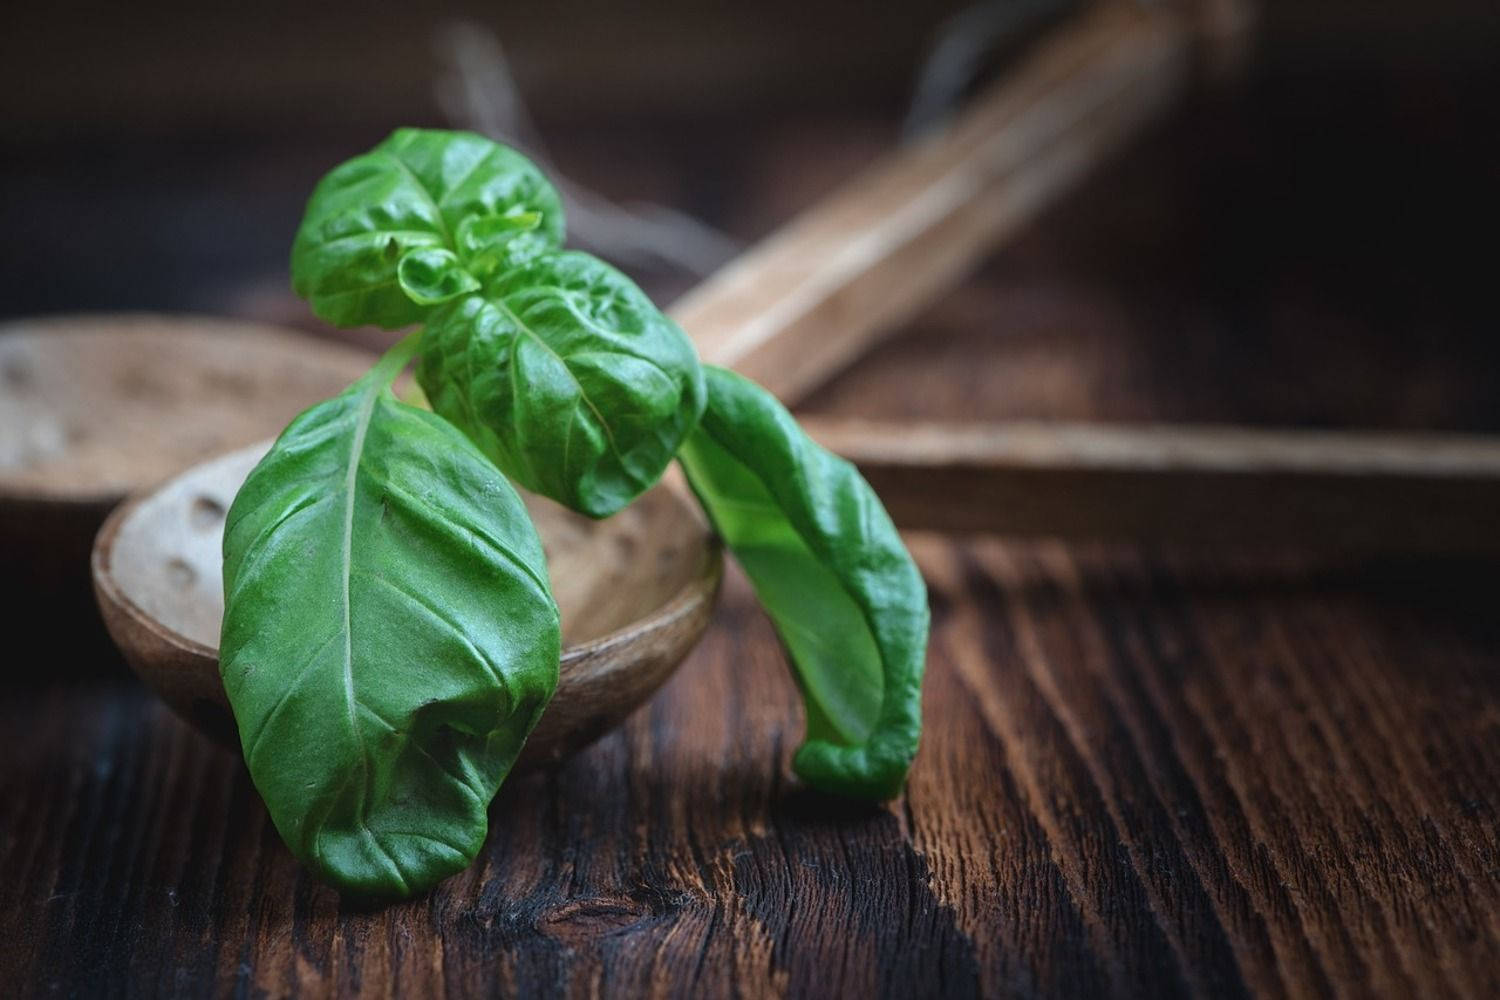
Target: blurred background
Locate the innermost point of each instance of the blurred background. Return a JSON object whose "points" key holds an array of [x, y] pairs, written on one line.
{"points": [[1309, 243]]}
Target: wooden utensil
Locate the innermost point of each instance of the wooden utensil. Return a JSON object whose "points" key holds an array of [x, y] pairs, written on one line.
{"points": [[635, 591], [825, 288], [92, 408], [1399, 493], [804, 303]]}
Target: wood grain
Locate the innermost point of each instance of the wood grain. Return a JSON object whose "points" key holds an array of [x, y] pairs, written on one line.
{"points": [[1140, 777]]}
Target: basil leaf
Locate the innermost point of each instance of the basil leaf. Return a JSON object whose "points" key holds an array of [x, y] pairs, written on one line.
{"points": [[491, 242], [412, 191], [389, 637], [567, 375], [430, 276], [832, 573]]}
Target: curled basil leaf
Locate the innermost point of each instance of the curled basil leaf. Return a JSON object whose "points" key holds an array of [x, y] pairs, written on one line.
{"points": [[389, 637], [413, 191], [430, 276], [568, 376], [832, 573], [492, 242]]}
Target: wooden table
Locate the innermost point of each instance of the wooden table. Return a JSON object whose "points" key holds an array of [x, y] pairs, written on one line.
{"points": [[1143, 773]]}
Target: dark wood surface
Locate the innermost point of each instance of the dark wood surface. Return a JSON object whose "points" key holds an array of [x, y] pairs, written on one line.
{"points": [[1141, 775], [1144, 773]]}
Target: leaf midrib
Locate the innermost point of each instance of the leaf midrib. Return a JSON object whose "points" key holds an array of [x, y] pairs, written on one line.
{"points": [[436, 208], [524, 327], [356, 452]]}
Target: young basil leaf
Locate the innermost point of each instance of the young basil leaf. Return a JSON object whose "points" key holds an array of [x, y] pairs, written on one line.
{"points": [[481, 234], [412, 191], [832, 573], [495, 243], [430, 276], [389, 637], [567, 375]]}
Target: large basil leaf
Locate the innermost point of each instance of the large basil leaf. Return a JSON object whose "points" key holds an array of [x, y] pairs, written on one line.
{"points": [[567, 375], [831, 571], [389, 637], [418, 190]]}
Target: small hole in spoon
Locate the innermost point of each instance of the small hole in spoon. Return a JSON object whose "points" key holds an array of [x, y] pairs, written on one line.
{"points": [[180, 574], [205, 514], [625, 546], [15, 373]]}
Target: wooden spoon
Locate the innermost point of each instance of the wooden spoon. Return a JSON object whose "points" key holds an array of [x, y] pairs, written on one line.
{"points": [[93, 408], [636, 591]]}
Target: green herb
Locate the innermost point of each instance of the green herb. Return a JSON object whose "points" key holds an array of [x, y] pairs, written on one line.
{"points": [[830, 569], [414, 193], [389, 636], [568, 377]]}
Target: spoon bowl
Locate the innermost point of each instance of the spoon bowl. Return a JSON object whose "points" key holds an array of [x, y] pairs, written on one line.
{"points": [[635, 591], [94, 408]]}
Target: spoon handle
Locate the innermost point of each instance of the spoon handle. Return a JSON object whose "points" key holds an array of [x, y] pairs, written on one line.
{"points": [[1390, 492], [818, 293]]}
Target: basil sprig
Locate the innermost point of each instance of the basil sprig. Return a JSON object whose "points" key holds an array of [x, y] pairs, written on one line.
{"points": [[390, 638]]}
